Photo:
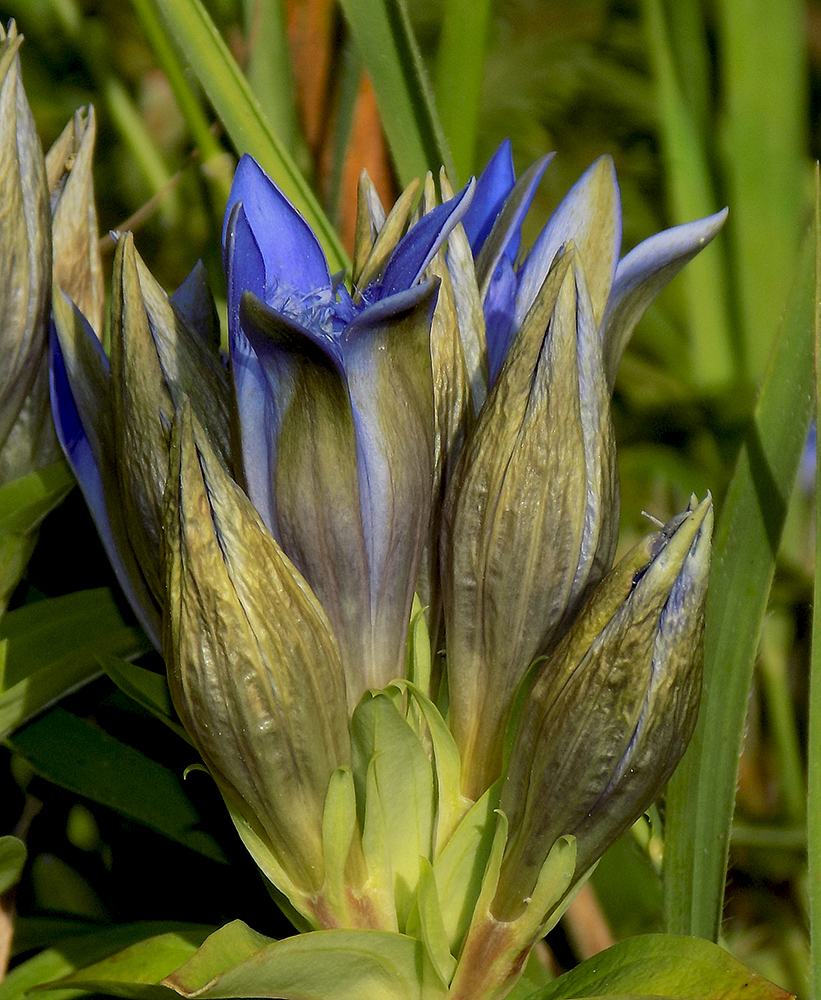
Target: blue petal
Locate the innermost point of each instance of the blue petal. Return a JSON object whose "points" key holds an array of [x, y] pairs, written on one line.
{"points": [[505, 237], [292, 254], [498, 310], [590, 216], [416, 250], [86, 468], [492, 188], [194, 300], [257, 424], [244, 265], [643, 273]]}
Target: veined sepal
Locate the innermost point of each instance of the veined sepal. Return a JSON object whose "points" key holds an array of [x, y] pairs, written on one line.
{"points": [[451, 805], [395, 796], [426, 923], [495, 951], [350, 897]]}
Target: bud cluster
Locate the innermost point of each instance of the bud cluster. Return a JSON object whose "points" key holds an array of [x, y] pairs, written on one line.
{"points": [[450, 765]]}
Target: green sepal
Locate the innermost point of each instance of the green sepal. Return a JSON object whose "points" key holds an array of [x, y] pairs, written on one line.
{"points": [[351, 898], [419, 659], [495, 951], [426, 923], [451, 805], [461, 866], [399, 786]]}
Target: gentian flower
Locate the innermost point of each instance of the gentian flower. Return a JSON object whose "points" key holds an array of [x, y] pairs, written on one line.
{"points": [[335, 404], [113, 419], [531, 513]]}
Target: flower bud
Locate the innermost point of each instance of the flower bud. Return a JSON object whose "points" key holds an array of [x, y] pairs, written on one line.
{"points": [[78, 267], [156, 359], [25, 274], [612, 710], [254, 669], [531, 517]]}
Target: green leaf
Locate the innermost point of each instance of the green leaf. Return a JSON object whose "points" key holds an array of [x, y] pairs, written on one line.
{"points": [[383, 34], [321, 965], [51, 649], [702, 792], [69, 954], [661, 966], [12, 859], [692, 196], [25, 502], [459, 65], [80, 757], [192, 29], [137, 971], [146, 688], [460, 868]]}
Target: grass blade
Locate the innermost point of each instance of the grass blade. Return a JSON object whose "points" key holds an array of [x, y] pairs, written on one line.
{"points": [[764, 138], [701, 794], [691, 196], [459, 64], [382, 32], [192, 29]]}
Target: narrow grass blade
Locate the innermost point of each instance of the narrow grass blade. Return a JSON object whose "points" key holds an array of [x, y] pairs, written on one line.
{"points": [[459, 63], [217, 166], [192, 29], [765, 88], [383, 34], [691, 197], [269, 72], [701, 794], [814, 725]]}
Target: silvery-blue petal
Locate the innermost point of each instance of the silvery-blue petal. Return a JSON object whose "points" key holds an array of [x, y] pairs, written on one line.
{"points": [[590, 216], [498, 309], [503, 240], [643, 273], [416, 250]]}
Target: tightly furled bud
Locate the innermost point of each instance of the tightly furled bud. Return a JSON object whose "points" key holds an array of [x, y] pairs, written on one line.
{"points": [[25, 273], [532, 514], [78, 267], [612, 710], [253, 666]]}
